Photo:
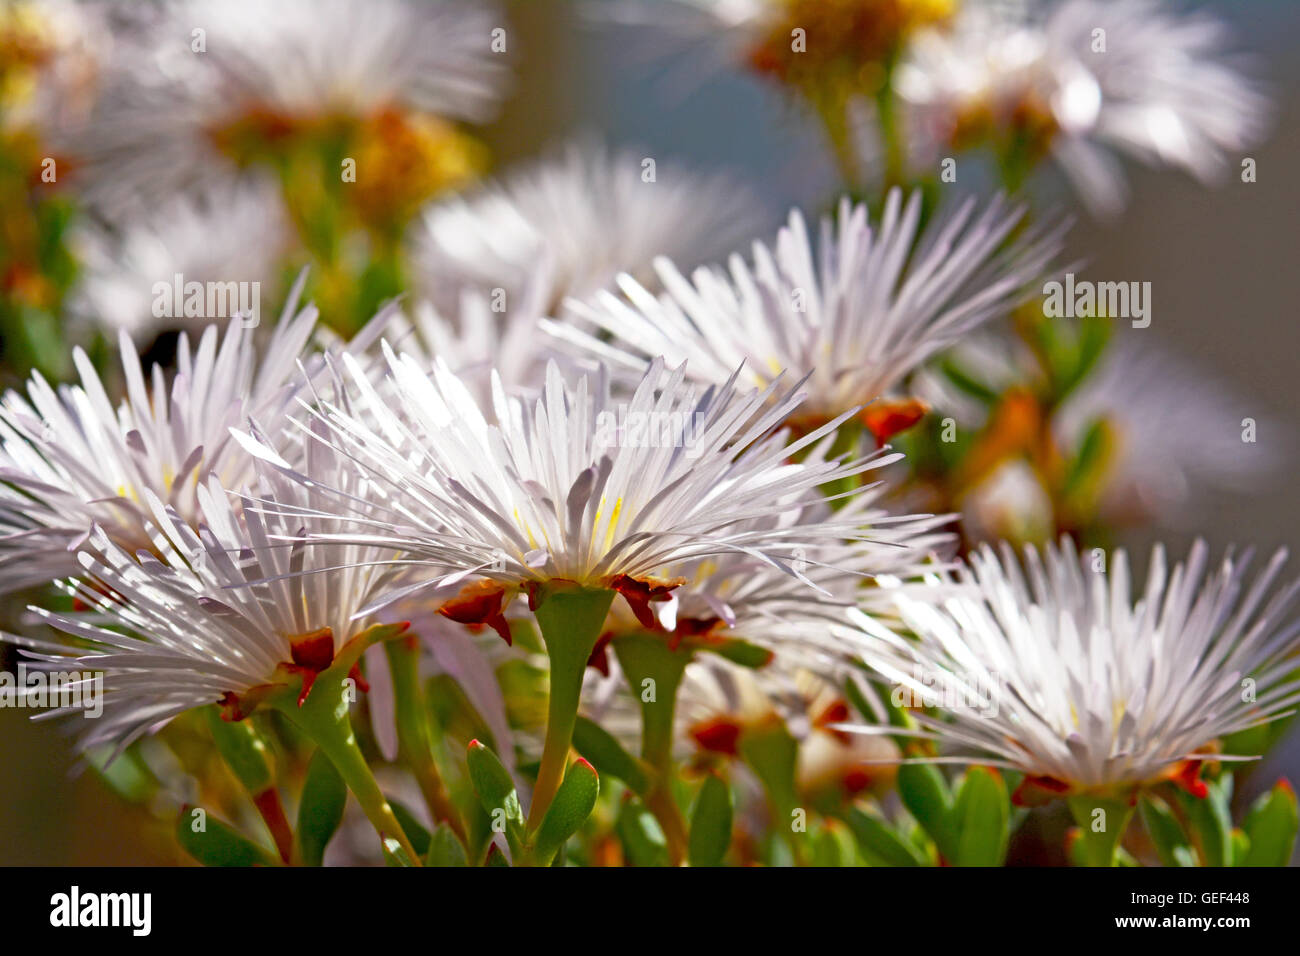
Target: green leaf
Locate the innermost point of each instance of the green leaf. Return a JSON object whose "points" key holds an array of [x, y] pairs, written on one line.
{"points": [[879, 842], [415, 831], [981, 813], [643, 839], [1102, 821], [1271, 826], [445, 849], [243, 750], [217, 844], [321, 810], [569, 810], [739, 652], [833, 846], [395, 854], [495, 857], [771, 753], [711, 823], [1090, 344], [965, 381], [1162, 826], [924, 792], [1210, 822], [496, 793], [608, 756], [1241, 847], [128, 775]]}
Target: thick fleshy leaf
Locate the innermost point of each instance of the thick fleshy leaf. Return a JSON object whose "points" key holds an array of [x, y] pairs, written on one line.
{"points": [[395, 854], [925, 794], [568, 811], [608, 756], [1102, 821], [711, 823], [321, 809], [415, 831], [1210, 822], [496, 793], [1171, 842], [833, 845], [739, 652], [445, 849], [1271, 827], [981, 812], [214, 843], [771, 753], [879, 842], [243, 750], [643, 839]]}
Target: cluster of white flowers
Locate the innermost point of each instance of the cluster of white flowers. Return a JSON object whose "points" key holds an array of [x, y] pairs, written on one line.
{"points": [[618, 426]]}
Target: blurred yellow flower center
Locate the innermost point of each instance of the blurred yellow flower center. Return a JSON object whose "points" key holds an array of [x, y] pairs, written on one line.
{"points": [[812, 40]]}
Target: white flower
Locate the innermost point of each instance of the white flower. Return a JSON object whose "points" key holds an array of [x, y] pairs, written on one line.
{"points": [[577, 486], [574, 221], [856, 316], [1161, 89], [70, 459], [219, 611], [741, 596], [1055, 671], [1178, 433], [233, 233], [484, 335], [53, 52], [200, 70]]}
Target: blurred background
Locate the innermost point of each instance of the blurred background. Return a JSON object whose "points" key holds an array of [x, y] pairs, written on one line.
{"points": [[1221, 263]]}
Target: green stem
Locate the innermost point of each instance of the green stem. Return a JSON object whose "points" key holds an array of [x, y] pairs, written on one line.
{"points": [[323, 717], [833, 112], [647, 657], [1100, 846], [571, 619], [890, 133], [414, 741], [249, 759]]}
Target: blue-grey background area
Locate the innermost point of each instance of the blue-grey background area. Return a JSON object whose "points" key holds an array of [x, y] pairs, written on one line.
{"points": [[1222, 262]]}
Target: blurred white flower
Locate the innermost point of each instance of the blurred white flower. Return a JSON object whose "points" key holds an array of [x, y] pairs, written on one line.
{"points": [[578, 219], [235, 232], [1179, 435], [53, 54], [486, 334], [1078, 78], [856, 315], [1063, 676], [200, 74], [1008, 504]]}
